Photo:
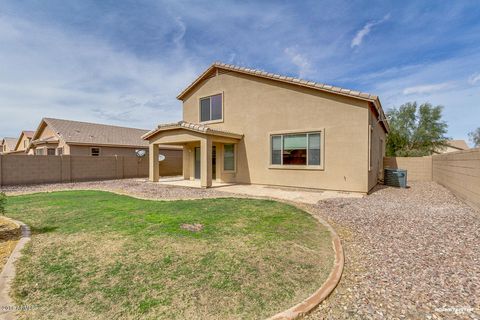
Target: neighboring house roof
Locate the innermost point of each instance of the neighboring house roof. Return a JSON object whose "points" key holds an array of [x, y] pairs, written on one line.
{"points": [[77, 132], [10, 143], [26, 133], [458, 144], [51, 139], [304, 83], [192, 127]]}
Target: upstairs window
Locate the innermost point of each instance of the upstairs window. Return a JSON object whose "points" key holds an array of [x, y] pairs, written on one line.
{"points": [[211, 108], [39, 152], [50, 152], [59, 151]]}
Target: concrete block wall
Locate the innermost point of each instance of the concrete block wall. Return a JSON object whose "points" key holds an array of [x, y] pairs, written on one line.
{"points": [[460, 173], [17, 170], [418, 168]]}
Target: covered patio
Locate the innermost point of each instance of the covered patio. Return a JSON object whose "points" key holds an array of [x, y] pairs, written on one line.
{"points": [[208, 154]]}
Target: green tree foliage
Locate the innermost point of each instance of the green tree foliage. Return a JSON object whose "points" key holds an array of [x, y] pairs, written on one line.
{"points": [[415, 131], [475, 137], [3, 200]]}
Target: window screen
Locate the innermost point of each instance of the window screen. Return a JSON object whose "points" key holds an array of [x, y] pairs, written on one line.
{"points": [[276, 149], [229, 157], [314, 149]]}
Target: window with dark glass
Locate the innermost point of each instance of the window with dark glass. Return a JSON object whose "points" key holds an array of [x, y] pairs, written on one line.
{"points": [[229, 157], [211, 108], [296, 149], [50, 152], [95, 152], [59, 151]]}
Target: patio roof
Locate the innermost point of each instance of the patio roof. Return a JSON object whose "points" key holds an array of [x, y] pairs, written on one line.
{"points": [[195, 127]]}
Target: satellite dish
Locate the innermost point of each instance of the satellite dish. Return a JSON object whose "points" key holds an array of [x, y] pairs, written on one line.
{"points": [[140, 153], [161, 157]]}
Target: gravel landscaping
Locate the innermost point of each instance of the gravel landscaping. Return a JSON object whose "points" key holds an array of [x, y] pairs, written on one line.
{"points": [[136, 187], [409, 254]]}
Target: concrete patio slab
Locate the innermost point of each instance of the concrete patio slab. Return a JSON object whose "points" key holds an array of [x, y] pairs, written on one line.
{"points": [[309, 196]]}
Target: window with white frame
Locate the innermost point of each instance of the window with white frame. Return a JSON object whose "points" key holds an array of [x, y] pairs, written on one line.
{"points": [[297, 149], [59, 151], [50, 152], [211, 108], [229, 157], [95, 152], [39, 152]]}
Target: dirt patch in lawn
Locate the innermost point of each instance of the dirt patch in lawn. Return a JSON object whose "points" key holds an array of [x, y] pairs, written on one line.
{"points": [[9, 235]]}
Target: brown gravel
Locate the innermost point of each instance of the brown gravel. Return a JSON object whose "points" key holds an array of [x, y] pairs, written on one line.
{"points": [[136, 187], [410, 254]]}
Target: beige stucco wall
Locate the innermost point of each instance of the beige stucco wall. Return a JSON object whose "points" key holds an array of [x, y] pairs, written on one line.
{"points": [[460, 173], [258, 107], [21, 145], [418, 168], [376, 151]]}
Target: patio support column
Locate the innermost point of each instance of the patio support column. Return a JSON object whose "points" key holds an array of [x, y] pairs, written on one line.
{"points": [[206, 162], [187, 151], [153, 172]]}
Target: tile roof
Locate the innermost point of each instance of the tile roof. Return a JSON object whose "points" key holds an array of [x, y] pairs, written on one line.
{"points": [[192, 127], [10, 142], [28, 133], [51, 139], [307, 83], [300, 82], [93, 133], [458, 144]]}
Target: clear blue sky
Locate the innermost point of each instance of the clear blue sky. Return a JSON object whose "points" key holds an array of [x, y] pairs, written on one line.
{"points": [[123, 62]]}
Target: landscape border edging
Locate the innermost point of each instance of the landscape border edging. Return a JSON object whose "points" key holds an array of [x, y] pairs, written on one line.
{"points": [[306, 306], [8, 272], [298, 310]]}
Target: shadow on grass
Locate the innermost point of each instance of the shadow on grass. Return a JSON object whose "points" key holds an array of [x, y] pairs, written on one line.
{"points": [[41, 230]]}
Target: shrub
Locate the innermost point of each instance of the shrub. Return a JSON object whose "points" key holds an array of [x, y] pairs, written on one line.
{"points": [[3, 201]]}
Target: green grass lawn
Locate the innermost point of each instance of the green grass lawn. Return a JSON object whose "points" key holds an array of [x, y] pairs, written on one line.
{"points": [[98, 255]]}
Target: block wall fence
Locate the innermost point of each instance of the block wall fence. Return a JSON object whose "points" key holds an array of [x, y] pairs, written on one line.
{"points": [[21, 170], [457, 171]]}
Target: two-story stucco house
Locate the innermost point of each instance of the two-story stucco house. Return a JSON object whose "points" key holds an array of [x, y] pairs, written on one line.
{"points": [[252, 127], [23, 143]]}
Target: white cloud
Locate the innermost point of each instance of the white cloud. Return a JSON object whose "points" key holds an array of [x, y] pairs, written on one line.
{"points": [[426, 89], [362, 33], [51, 72], [299, 60], [474, 78]]}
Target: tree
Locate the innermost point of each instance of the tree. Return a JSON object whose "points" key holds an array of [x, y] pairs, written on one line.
{"points": [[415, 131], [475, 137]]}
